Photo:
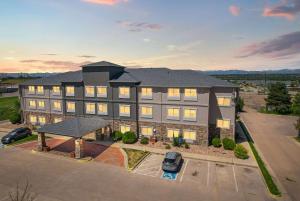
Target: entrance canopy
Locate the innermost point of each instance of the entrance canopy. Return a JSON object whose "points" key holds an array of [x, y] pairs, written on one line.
{"points": [[75, 127]]}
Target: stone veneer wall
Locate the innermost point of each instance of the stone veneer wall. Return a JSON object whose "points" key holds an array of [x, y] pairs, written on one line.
{"points": [[116, 125], [221, 132]]}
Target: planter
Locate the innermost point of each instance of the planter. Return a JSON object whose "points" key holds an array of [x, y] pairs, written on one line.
{"points": [[153, 139]]}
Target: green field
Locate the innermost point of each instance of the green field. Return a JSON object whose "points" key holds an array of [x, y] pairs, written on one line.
{"points": [[14, 80], [7, 107]]}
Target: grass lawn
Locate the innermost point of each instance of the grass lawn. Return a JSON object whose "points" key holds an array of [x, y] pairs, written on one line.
{"points": [[135, 157], [297, 139], [14, 80], [7, 106], [26, 139]]}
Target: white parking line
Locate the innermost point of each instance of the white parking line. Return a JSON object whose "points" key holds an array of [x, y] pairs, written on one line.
{"points": [[207, 181], [236, 186], [187, 161]]}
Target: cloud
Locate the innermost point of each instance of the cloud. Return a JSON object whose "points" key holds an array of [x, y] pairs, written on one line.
{"points": [[185, 47], [287, 9], [50, 54], [281, 47], [234, 10], [86, 56], [147, 40], [105, 2], [138, 26]]}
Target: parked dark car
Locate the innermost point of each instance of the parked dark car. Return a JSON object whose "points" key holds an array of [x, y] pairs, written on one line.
{"points": [[172, 162], [15, 135]]}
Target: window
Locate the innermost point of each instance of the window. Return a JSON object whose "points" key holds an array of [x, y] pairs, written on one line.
{"points": [[189, 135], [223, 123], [33, 119], [146, 130], [146, 111], [90, 108], [31, 89], [41, 104], [124, 110], [56, 90], [173, 113], [32, 104], [40, 90], [190, 114], [172, 133], [70, 91], [147, 93], [57, 119], [190, 94], [42, 120], [124, 128], [102, 91], [89, 91], [70, 106], [124, 92], [57, 105], [174, 93], [224, 101], [102, 108]]}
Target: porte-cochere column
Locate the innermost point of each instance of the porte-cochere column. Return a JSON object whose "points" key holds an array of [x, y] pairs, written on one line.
{"points": [[79, 148], [41, 141]]}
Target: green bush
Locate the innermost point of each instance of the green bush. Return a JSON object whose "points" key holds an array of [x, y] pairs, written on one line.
{"points": [[129, 137], [186, 145], [117, 135], [241, 152], [144, 140], [216, 142], [15, 118], [168, 146], [228, 144], [175, 142]]}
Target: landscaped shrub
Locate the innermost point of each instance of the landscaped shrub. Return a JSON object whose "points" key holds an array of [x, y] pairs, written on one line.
{"points": [[228, 144], [186, 145], [175, 142], [129, 137], [216, 142], [168, 146], [144, 140], [117, 135], [241, 152], [15, 118]]}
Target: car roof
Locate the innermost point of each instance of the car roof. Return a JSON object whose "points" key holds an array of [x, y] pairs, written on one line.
{"points": [[171, 155]]}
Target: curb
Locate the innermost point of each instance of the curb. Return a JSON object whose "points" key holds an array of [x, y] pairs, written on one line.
{"points": [[139, 162], [125, 158]]}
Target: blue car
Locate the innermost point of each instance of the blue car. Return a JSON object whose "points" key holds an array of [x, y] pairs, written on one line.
{"points": [[15, 135], [172, 162]]}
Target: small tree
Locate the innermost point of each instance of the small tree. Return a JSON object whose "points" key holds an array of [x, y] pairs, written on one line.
{"points": [[296, 104], [15, 116], [239, 104], [297, 126], [278, 99], [22, 195]]}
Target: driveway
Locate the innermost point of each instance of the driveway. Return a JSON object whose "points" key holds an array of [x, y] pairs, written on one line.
{"points": [[272, 135], [56, 178]]}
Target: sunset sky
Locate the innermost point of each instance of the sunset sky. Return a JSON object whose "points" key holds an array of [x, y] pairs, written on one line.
{"points": [[61, 35]]}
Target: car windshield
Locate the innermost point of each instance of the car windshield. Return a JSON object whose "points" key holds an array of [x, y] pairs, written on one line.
{"points": [[168, 160]]}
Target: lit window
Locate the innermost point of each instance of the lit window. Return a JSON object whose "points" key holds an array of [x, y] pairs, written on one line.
{"points": [[90, 108], [190, 94], [33, 119], [41, 104], [190, 114], [31, 89], [102, 91], [147, 93], [57, 105], [146, 111], [124, 128], [124, 92], [174, 93], [145, 130], [58, 119], [40, 89], [56, 90], [42, 120], [223, 123], [173, 133], [125, 110], [173, 113], [189, 135], [224, 101], [102, 108], [32, 104], [70, 91], [70, 106], [89, 91]]}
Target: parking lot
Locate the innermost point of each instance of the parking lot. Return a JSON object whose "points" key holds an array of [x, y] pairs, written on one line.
{"points": [[205, 174]]}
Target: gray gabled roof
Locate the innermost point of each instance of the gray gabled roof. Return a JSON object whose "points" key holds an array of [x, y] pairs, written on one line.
{"points": [[102, 64], [75, 127]]}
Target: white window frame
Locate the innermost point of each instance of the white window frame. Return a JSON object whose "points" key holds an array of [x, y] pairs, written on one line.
{"points": [[99, 94], [223, 123], [102, 113], [40, 92], [125, 126], [124, 114], [41, 107], [222, 105], [173, 117], [146, 115], [124, 95], [86, 91], [55, 108], [190, 98], [57, 120], [32, 106], [42, 117], [173, 129], [90, 104], [56, 93], [189, 139], [70, 94], [33, 122], [147, 127], [189, 118], [67, 109], [146, 96], [172, 97], [31, 91]]}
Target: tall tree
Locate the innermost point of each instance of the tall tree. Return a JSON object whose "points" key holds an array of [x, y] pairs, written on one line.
{"points": [[296, 104], [278, 99], [297, 126]]}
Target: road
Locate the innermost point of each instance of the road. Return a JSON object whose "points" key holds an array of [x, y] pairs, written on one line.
{"points": [[272, 135]]}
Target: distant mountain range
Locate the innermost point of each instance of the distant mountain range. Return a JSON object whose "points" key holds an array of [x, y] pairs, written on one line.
{"points": [[214, 72]]}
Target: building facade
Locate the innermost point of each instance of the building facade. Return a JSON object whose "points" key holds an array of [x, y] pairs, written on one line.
{"points": [[147, 101]]}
